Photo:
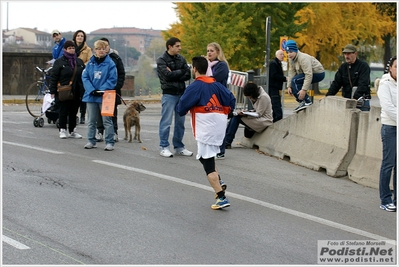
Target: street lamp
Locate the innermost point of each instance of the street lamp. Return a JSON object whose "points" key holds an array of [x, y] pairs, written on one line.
{"points": [[126, 54]]}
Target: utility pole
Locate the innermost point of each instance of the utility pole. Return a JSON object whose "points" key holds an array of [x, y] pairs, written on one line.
{"points": [[267, 57], [126, 54], [7, 16]]}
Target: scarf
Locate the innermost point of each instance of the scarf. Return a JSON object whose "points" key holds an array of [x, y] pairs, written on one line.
{"points": [[79, 49], [71, 59], [210, 65]]}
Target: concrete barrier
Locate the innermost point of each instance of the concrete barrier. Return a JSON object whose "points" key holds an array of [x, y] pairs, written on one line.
{"points": [[365, 166], [332, 135], [323, 136]]}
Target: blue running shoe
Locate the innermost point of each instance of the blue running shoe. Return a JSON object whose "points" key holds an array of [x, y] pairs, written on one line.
{"points": [[223, 185], [221, 203]]}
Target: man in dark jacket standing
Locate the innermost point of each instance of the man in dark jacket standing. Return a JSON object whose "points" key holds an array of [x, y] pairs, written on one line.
{"points": [[173, 71], [354, 73], [113, 54], [276, 81]]}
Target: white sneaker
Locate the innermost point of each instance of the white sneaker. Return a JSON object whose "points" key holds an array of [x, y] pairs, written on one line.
{"points": [[184, 152], [75, 135], [165, 152], [99, 137], [109, 147], [90, 145], [63, 134]]}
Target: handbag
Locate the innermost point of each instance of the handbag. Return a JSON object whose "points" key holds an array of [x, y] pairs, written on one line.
{"points": [[65, 91], [108, 104]]}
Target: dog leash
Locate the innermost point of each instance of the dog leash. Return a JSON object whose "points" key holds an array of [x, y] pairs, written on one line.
{"points": [[121, 99]]}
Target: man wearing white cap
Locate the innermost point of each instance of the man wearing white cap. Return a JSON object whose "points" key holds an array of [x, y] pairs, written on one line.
{"points": [[59, 44]]}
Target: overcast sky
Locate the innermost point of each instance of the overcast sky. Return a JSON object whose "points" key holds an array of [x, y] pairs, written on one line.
{"points": [[87, 15]]}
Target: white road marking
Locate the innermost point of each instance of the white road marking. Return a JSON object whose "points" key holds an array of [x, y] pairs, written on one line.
{"points": [[33, 147], [14, 243], [299, 214]]}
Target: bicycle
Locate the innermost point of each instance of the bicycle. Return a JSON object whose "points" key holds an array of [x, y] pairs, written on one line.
{"points": [[36, 95]]}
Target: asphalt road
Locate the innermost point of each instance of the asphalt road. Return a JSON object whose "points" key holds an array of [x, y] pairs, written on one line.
{"points": [[63, 204]]}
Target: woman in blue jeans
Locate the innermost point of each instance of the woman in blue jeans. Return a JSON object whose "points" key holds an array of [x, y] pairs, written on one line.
{"points": [[387, 93], [99, 75]]}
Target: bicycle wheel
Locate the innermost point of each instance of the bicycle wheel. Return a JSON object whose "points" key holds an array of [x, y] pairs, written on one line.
{"points": [[34, 99]]}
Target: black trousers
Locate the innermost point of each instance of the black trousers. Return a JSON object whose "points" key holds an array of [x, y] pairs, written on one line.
{"points": [[276, 107], [67, 114]]}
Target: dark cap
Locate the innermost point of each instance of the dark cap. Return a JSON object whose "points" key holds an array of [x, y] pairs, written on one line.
{"points": [[69, 43], [350, 48]]}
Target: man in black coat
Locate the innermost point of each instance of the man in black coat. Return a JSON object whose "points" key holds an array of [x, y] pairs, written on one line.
{"points": [[173, 72], [352, 74], [276, 81], [113, 54]]}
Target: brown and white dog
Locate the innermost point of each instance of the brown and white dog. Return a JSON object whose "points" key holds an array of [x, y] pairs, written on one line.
{"points": [[131, 118]]}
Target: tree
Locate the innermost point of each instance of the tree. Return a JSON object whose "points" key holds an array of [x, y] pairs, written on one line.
{"points": [[146, 78], [331, 26], [238, 27], [156, 49], [388, 10]]}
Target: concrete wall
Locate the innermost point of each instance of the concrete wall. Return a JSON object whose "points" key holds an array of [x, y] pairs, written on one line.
{"points": [[332, 135], [19, 71], [366, 163]]}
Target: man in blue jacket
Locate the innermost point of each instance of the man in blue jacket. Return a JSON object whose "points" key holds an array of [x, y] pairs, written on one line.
{"points": [[209, 103], [59, 44]]}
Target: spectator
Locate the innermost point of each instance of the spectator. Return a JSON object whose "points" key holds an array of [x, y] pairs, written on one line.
{"points": [[173, 71], [99, 75], [84, 53], [258, 123], [276, 80], [209, 103], [218, 67], [353, 74], [58, 49], [387, 94], [304, 70], [61, 74], [118, 88]]}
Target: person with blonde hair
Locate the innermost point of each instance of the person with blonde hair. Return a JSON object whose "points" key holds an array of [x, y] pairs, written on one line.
{"points": [[218, 67], [99, 75]]}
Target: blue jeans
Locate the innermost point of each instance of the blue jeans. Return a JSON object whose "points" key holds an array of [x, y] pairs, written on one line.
{"points": [[297, 83], [94, 113], [366, 106], [169, 104], [388, 136], [231, 131]]}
